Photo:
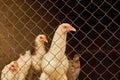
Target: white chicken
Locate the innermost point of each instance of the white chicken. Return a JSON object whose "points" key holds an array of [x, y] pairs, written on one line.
{"points": [[74, 68], [55, 64], [9, 71], [39, 52], [17, 70]]}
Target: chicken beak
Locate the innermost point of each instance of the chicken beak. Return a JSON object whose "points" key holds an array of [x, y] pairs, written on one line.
{"points": [[73, 29], [17, 68], [46, 41]]}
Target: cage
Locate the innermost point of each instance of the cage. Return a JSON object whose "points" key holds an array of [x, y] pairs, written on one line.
{"points": [[97, 39]]}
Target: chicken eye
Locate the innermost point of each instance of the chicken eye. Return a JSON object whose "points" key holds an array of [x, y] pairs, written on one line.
{"points": [[12, 65], [65, 27], [41, 37]]}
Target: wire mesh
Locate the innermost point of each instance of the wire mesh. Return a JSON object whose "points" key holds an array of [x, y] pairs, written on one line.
{"points": [[97, 39]]}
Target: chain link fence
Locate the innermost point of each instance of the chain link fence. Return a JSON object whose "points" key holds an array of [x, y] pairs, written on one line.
{"points": [[97, 39]]}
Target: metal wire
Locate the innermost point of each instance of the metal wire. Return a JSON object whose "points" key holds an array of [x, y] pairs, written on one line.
{"points": [[97, 39]]}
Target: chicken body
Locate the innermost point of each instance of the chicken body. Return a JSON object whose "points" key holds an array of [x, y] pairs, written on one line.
{"points": [[55, 63], [20, 71]]}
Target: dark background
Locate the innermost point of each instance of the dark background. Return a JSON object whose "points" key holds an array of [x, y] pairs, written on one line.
{"points": [[97, 39]]}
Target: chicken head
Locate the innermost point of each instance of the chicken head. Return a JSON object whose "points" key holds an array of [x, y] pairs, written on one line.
{"points": [[14, 66], [40, 38], [67, 27]]}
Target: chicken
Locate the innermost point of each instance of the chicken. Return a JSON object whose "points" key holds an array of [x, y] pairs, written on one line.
{"points": [[55, 64], [74, 68], [17, 70], [8, 73], [39, 51]]}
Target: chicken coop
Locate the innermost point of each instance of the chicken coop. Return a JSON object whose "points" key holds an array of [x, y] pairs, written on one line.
{"points": [[96, 40]]}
